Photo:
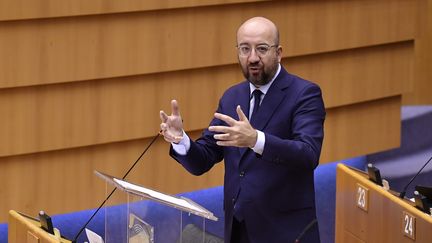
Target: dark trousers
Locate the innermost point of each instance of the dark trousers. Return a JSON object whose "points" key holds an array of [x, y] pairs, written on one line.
{"points": [[239, 232]]}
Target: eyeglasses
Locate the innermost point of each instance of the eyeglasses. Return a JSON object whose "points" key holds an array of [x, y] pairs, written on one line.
{"points": [[260, 50]]}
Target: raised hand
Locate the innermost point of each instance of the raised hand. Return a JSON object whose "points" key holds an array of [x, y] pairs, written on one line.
{"points": [[238, 133], [172, 126]]}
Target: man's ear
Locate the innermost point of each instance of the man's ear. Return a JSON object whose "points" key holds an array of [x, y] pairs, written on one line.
{"points": [[279, 53]]}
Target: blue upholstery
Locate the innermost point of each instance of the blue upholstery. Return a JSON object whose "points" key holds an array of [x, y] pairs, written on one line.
{"points": [[211, 198], [3, 233]]}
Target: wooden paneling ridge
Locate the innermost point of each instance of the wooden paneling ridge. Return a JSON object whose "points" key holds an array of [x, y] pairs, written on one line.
{"points": [[32, 9], [92, 47]]}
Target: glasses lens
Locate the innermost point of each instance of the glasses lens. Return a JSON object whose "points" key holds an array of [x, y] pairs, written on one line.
{"points": [[262, 49], [244, 50]]}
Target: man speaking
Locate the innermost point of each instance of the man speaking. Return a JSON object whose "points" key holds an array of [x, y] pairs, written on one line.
{"points": [[268, 130]]}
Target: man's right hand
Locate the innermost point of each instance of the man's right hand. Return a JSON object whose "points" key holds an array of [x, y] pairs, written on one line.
{"points": [[172, 126]]}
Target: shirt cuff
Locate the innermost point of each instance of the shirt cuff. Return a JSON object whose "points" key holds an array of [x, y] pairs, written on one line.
{"points": [[259, 145], [183, 146]]}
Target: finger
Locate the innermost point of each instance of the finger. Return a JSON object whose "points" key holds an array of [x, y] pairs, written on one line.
{"points": [[220, 129], [166, 139], [168, 136], [241, 115], [163, 116], [230, 121], [163, 126], [175, 108], [225, 136], [170, 140], [226, 143], [165, 136]]}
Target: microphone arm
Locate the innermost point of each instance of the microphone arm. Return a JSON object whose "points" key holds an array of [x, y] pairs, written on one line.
{"points": [[402, 194], [112, 192], [306, 229]]}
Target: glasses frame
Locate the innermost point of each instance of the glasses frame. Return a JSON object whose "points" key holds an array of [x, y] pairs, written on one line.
{"points": [[258, 53]]}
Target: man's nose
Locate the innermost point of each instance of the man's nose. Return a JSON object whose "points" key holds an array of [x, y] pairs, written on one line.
{"points": [[253, 57]]}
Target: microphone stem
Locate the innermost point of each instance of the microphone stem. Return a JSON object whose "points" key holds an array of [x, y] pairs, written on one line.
{"points": [[112, 192], [402, 194], [142, 154]]}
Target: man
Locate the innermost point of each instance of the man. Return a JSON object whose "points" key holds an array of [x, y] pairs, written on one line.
{"points": [[270, 142]]}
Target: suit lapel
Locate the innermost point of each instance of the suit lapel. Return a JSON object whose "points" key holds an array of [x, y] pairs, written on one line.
{"points": [[269, 105], [275, 95], [244, 102]]}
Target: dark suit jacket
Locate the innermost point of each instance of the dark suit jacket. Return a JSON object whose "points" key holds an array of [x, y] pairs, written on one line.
{"points": [[274, 192]]}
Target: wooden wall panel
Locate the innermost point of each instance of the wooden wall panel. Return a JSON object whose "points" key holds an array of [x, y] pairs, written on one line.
{"points": [[50, 117], [53, 117], [419, 92], [358, 75], [31, 9], [90, 47], [361, 128]]}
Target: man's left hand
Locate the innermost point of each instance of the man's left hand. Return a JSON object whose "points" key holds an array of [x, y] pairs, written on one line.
{"points": [[238, 133]]}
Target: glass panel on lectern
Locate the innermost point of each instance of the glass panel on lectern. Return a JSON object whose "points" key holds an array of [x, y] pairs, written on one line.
{"points": [[116, 220], [155, 217]]}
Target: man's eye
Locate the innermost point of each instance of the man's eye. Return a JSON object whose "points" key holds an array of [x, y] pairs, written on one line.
{"points": [[262, 49], [244, 49]]}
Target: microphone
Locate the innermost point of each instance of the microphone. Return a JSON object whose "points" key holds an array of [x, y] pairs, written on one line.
{"points": [[374, 174], [422, 202], [112, 192], [46, 222], [402, 194]]}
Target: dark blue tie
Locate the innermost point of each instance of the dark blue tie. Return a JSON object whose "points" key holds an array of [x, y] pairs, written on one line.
{"points": [[257, 100]]}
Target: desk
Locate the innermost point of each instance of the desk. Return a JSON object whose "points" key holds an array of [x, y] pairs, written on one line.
{"points": [[26, 229], [366, 212]]}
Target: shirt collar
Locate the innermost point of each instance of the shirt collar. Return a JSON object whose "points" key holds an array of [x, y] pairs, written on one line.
{"points": [[264, 88]]}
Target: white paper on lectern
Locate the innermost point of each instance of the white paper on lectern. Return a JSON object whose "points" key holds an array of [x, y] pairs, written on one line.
{"points": [[93, 237], [158, 195]]}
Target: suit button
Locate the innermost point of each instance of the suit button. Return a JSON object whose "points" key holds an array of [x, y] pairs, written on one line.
{"points": [[242, 174]]}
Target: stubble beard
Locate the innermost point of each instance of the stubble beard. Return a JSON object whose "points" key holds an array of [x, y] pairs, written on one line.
{"points": [[264, 75]]}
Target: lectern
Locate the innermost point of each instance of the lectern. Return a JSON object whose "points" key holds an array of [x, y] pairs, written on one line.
{"points": [[149, 216], [366, 212]]}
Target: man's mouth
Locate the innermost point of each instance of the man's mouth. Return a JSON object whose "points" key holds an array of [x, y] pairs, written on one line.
{"points": [[254, 70]]}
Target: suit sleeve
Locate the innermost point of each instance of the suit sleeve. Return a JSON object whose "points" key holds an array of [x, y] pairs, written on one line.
{"points": [[303, 149], [203, 153]]}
